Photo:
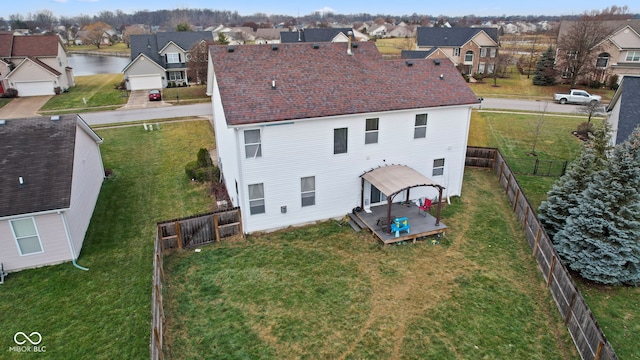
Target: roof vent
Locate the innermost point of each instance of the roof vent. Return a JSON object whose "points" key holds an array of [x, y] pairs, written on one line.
{"points": [[274, 47], [409, 63], [316, 46], [230, 49], [354, 45], [436, 61], [55, 118]]}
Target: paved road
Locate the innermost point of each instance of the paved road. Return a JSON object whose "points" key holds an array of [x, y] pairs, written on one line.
{"points": [[204, 109], [118, 116], [528, 105]]}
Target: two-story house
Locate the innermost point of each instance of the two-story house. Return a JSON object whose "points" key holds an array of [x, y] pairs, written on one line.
{"points": [[296, 132], [34, 65], [471, 50], [617, 54], [160, 60], [623, 112]]}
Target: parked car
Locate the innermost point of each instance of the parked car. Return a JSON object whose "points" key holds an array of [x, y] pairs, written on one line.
{"points": [[155, 95], [577, 97]]}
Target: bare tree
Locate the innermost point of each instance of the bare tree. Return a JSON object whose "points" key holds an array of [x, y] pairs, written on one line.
{"points": [[501, 66], [93, 33], [198, 62], [539, 128], [591, 109]]}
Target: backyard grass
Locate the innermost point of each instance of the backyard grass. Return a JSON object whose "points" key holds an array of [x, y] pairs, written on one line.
{"points": [[115, 48], [104, 313], [326, 292]]}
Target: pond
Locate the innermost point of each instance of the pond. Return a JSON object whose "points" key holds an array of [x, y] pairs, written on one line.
{"points": [[83, 64]]}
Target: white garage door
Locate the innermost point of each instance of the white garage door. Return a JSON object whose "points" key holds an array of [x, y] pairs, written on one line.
{"points": [[34, 88], [142, 82]]}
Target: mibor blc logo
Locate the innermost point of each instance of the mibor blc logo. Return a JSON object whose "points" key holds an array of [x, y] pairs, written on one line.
{"points": [[27, 343]]}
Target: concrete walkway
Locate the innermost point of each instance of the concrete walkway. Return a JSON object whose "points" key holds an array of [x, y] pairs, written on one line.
{"points": [[23, 107]]}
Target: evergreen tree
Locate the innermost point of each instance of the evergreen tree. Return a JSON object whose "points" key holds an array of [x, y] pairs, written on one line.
{"points": [[601, 239], [545, 74], [553, 212]]}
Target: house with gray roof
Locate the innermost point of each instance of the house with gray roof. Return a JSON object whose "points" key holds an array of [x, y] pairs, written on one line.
{"points": [[623, 112], [316, 35], [50, 180], [160, 60], [295, 130], [472, 50]]}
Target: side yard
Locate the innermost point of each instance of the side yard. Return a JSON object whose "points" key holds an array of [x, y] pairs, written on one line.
{"points": [[104, 313]]}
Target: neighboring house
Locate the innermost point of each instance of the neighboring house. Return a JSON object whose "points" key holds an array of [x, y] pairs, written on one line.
{"points": [[317, 35], [49, 184], [268, 36], [472, 50], [160, 60], [618, 54], [624, 109], [34, 65], [295, 131]]}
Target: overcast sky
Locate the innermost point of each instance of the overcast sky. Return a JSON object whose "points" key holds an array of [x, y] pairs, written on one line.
{"points": [[70, 8]]}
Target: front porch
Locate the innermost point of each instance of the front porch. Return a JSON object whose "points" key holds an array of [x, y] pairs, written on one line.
{"points": [[421, 226]]}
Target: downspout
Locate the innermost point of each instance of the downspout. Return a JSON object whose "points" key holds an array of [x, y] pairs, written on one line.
{"points": [[73, 253]]}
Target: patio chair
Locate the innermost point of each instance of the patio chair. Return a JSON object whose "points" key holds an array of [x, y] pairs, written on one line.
{"points": [[400, 224], [424, 206]]}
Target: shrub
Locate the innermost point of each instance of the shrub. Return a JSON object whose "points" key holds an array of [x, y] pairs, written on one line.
{"points": [[57, 90], [612, 82], [585, 128], [191, 168], [10, 93], [204, 159], [122, 85], [593, 84]]}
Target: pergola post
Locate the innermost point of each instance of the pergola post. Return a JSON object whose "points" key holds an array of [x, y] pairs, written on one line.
{"points": [[439, 205], [362, 193], [389, 201]]}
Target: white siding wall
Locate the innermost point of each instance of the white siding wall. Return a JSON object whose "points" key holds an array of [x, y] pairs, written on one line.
{"points": [[53, 239], [226, 144], [305, 148], [88, 174]]}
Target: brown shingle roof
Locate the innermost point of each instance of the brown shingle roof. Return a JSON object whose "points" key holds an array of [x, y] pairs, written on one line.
{"points": [[41, 152], [326, 81], [23, 46]]}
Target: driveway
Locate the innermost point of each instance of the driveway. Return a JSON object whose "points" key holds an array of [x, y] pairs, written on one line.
{"points": [[23, 107], [139, 99]]}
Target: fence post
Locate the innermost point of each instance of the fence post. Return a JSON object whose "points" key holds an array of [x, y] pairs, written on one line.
{"points": [[524, 221], [178, 238], [564, 167], [570, 311], [216, 226], [535, 246], [535, 166], [515, 200], [599, 350], [506, 188], [550, 276]]}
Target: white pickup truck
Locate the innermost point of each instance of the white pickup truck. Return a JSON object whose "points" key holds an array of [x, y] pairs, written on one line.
{"points": [[577, 97]]}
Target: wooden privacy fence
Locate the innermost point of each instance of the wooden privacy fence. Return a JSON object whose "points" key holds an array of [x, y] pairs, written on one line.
{"points": [[199, 230], [482, 157], [178, 234], [583, 327]]}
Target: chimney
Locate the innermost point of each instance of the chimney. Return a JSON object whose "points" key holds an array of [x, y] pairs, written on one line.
{"points": [[349, 35]]}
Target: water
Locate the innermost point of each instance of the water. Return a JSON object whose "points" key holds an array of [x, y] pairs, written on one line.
{"points": [[95, 64]]}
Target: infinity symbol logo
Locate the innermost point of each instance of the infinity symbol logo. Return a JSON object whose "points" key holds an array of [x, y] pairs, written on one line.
{"points": [[27, 338]]}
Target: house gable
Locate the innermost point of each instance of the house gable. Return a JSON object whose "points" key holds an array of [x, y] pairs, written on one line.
{"points": [[428, 37], [143, 65], [626, 38]]}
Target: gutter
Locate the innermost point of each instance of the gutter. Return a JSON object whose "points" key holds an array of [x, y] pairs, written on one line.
{"points": [[66, 231]]}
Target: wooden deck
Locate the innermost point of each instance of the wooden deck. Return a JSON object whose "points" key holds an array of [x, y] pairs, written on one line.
{"points": [[421, 226]]}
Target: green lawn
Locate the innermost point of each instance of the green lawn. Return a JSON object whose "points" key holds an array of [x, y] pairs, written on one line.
{"points": [[98, 91], [326, 292], [4, 102], [104, 313]]}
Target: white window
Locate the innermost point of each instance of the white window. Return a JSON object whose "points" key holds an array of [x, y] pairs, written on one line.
{"points": [[420, 130], [173, 58], [481, 68], [252, 144], [490, 67], [456, 51], [483, 52], [256, 199], [175, 76], [308, 190], [438, 167], [633, 56], [371, 131], [340, 137], [492, 52], [468, 56], [26, 235]]}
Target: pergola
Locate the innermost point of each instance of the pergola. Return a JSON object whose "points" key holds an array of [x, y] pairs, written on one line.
{"points": [[394, 179]]}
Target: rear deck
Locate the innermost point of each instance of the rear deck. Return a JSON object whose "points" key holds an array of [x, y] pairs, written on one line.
{"points": [[421, 226]]}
